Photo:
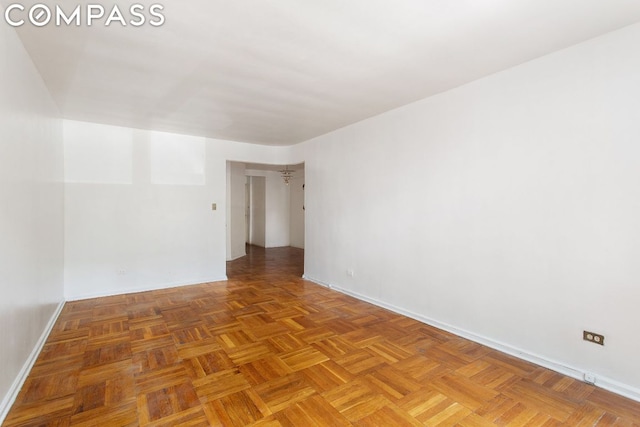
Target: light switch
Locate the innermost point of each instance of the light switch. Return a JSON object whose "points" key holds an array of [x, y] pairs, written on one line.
{"points": [[214, 206]]}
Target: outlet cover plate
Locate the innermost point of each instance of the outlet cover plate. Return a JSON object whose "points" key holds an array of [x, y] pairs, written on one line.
{"points": [[589, 378], [593, 337]]}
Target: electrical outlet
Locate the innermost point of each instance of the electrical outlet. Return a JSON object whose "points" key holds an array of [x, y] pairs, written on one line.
{"points": [[593, 337]]}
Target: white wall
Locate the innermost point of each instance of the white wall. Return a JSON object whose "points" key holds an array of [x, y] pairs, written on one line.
{"points": [[296, 212], [258, 211], [236, 233], [507, 208], [138, 208], [31, 214], [277, 211]]}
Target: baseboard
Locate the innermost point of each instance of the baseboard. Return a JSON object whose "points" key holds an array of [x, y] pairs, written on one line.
{"points": [[13, 391], [135, 290], [570, 371], [237, 257]]}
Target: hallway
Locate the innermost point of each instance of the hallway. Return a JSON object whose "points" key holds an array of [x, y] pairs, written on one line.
{"points": [[267, 264]]}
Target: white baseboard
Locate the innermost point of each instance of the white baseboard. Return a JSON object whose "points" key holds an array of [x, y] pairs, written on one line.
{"points": [[237, 257], [13, 391], [570, 371], [133, 290]]}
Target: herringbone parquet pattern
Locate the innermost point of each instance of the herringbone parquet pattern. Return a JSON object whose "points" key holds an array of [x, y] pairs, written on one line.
{"points": [[267, 348]]}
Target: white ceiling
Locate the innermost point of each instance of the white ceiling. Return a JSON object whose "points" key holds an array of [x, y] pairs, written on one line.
{"points": [[279, 72]]}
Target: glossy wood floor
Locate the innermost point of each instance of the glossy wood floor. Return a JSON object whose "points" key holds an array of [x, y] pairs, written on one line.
{"points": [[268, 349]]}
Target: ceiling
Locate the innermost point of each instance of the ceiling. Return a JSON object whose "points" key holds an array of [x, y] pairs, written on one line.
{"points": [[279, 72]]}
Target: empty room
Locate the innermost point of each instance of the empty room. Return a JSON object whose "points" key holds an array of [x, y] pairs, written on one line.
{"points": [[320, 213]]}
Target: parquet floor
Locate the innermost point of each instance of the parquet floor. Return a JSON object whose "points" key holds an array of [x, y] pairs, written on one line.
{"points": [[267, 348]]}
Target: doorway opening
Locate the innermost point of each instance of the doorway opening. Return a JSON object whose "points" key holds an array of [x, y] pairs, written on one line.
{"points": [[265, 216]]}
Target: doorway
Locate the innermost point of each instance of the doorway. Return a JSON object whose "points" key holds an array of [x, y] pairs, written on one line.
{"points": [[263, 210]]}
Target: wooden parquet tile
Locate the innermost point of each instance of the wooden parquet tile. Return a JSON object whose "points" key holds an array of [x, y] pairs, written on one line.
{"points": [[266, 348]]}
